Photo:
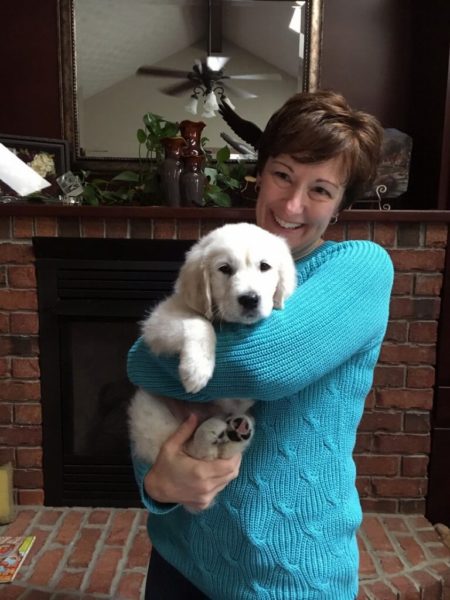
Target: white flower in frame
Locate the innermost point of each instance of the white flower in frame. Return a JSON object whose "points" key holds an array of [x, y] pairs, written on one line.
{"points": [[43, 163]]}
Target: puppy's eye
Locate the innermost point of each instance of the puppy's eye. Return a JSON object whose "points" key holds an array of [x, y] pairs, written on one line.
{"points": [[263, 266], [226, 269]]}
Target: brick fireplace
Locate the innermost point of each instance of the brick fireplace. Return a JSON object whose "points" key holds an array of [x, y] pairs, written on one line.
{"points": [[394, 436]]}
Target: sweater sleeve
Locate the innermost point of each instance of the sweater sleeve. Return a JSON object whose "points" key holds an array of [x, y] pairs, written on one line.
{"points": [[340, 308], [141, 469]]}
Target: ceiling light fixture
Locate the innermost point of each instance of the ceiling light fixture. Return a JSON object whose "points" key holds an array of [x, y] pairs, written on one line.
{"points": [[210, 102]]}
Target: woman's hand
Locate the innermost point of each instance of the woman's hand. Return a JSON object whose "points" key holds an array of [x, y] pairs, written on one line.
{"points": [[178, 478]]}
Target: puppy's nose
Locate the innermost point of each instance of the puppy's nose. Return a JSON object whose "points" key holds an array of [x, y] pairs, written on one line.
{"points": [[249, 301]]}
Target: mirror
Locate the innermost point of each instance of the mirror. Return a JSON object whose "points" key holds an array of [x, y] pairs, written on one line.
{"points": [[272, 50]]}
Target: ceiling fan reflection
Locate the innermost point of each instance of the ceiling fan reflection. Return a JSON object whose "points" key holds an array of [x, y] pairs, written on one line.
{"points": [[207, 78]]}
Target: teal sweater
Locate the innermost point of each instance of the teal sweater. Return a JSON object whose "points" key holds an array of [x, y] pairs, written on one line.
{"points": [[285, 529]]}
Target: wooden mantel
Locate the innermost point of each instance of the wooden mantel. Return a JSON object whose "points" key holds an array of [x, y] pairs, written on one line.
{"points": [[223, 214]]}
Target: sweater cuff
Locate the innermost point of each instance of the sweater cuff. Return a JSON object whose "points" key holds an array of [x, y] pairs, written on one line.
{"points": [[141, 470]]}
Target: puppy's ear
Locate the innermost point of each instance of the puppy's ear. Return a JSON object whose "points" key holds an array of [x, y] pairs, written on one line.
{"points": [[193, 283], [287, 276]]}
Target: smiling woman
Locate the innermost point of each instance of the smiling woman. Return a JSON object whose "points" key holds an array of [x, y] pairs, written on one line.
{"points": [[252, 39], [294, 498]]}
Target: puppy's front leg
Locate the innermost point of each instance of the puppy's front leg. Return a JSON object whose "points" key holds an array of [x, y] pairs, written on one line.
{"points": [[197, 356]]}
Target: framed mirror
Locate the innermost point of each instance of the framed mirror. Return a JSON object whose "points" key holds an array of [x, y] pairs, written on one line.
{"points": [[120, 60]]}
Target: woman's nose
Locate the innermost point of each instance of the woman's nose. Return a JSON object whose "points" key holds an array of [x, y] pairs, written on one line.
{"points": [[296, 200]]}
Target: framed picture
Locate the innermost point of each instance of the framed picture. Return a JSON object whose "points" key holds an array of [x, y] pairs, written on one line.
{"points": [[48, 157]]}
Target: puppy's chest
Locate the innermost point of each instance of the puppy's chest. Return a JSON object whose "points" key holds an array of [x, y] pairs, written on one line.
{"points": [[203, 410]]}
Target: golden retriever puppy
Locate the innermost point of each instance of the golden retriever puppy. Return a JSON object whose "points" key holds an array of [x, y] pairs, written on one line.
{"points": [[237, 273]]}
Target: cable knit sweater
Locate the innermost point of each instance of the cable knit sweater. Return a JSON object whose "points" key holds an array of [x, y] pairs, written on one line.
{"points": [[285, 529]]}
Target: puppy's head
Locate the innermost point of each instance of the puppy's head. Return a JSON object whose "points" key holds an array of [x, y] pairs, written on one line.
{"points": [[237, 273]]}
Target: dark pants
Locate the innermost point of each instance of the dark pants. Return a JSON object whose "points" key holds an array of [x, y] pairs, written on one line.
{"points": [[166, 583]]}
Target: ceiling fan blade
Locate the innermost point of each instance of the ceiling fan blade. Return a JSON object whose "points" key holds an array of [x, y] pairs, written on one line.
{"points": [[258, 76], [238, 92], [161, 72], [216, 63], [177, 89]]}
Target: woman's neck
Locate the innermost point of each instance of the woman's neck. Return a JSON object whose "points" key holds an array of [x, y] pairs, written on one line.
{"points": [[301, 251]]}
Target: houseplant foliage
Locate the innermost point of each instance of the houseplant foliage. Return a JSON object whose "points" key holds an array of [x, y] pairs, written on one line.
{"points": [[224, 179], [142, 187], [139, 187]]}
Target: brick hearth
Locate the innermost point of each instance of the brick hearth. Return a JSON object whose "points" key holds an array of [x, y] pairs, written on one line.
{"points": [[87, 554]]}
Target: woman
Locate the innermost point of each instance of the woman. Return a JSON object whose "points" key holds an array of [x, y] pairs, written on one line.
{"points": [[284, 523]]}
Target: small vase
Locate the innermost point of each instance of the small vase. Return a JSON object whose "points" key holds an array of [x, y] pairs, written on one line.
{"points": [[192, 181], [171, 169], [191, 131]]}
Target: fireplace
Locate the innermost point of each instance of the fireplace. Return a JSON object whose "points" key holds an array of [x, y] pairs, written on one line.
{"points": [[393, 439], [91, 296]]}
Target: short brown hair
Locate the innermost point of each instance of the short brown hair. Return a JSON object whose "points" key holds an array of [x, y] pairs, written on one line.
{"points": [[317, 126]]}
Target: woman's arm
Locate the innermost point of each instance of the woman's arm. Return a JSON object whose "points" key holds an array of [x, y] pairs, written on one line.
{"points": [[340, 308]]}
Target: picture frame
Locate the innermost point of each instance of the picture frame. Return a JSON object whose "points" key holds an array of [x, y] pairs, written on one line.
{"points": [[47, 156]]}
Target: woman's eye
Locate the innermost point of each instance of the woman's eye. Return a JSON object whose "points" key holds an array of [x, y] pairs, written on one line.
{"points": [[282, 177], [322, 191], [264, 266], [226, 269]]}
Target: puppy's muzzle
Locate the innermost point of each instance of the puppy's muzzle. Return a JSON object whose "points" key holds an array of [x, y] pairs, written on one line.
{"points": [[249, 301]]}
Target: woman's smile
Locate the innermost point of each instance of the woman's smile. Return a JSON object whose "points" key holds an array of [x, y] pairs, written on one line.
{"points": [[287, 224]]}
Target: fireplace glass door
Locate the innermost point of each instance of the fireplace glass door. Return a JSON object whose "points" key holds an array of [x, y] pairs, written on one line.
{"points": [[92, 295]]}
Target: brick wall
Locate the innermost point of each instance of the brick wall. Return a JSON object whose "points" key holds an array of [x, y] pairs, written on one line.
{"points": [[393, 441]]}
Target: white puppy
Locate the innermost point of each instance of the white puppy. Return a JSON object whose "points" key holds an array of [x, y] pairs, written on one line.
{"points": [[237, 273]]}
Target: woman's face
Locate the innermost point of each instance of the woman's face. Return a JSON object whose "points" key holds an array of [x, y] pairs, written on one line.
{"points": [[297, 200]]}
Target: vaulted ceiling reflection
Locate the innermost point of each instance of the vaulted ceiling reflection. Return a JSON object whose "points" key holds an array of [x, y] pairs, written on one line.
{"points": [[113, 39]]}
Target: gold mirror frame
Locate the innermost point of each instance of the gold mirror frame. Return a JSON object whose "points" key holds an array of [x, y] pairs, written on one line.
{"points": [[68, 104]]}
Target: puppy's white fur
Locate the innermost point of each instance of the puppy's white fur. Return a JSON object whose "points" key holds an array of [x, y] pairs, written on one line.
{"points": [[237, 273]]}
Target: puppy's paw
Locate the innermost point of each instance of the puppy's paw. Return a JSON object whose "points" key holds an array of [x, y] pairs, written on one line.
{"points": [[221, 438], [238, 435], [195, 372], [206, 439]]}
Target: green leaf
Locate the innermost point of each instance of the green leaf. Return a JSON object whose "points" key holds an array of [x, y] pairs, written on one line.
{"points": [[112, 197], [151, 119], [141, 136], [223, 154], [171, 129], [212, 188], [90, 195], [130, 176], [228, 182], [219, 198], [211, 174], [224, 169], [222, 199], [98, 182]]}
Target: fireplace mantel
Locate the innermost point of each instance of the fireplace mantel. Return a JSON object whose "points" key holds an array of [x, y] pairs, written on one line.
{"points": [[221, 214]]}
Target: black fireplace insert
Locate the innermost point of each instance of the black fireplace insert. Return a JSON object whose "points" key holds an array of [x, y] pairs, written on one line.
{"points": [[92, 294]]}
